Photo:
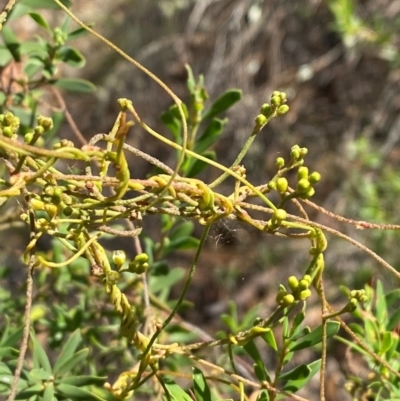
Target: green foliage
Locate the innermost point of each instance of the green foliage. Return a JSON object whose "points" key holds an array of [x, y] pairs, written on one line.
{"points": [[122, 303]]}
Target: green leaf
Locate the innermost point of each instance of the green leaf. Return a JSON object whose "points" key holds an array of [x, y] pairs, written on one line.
{"points": [[176, 393], [182, 244], [75, 85], [71, 56], [259, 369], [76, 393], [201, 389], [39, 19], [5, 56], [80, 381], [198, 165], [299, 376], [392, 297], [263, 396], [39, 375], [44, 3], [11, 42], [184, 229], [191, 82], [40, 359], [68, 350], [48, 393], [315, 337], [158, 283], [393, 320], [381, 307], [269, 338], [36, 389], [173, 123], [78, 33], [224, 102], [8, 352], [210, 135], [70, 363]]}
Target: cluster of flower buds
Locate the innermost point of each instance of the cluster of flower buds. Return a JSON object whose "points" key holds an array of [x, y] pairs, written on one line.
{"points": [[355, 297], [305, 182], [138, 265], [9, 125], [276, 107], [276, 220], [299, 291], [44, 124]]}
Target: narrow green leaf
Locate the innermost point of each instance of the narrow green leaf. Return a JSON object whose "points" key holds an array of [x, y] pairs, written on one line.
{"points": [[381, 307], [44, 3], [184, 229], [223, 103], [48, 393], [387, 342], [12, 43], [210, 135], [70, 363], [182, 244], [393, 320], [175, 391], [40, 359], [392, 297], [263, 396], [315, 337], [68, 350], [80, 381], [40, 20], [191, 83], [78, 33], [75, 85], [39, 375], [8, 352], [76, 393], [72, 57], [300, 376], [158, 283], [296, 326], [5, 56], [36, 389], [201, 389], [198, 165], [173, 124], [259, 369], [269, 338]]}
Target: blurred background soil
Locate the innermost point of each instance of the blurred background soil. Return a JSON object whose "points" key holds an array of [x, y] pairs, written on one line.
{"points": [[342, 78]]}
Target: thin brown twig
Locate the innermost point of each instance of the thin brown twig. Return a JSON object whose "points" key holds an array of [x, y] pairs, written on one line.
{"points": [[6, 10]]}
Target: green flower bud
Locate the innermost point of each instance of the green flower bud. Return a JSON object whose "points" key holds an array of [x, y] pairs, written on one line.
{"points": [[37, 204], [8, 132], [8, 119], [280, 295], [295, 154], [303, 185], [307, 278], [141, 258], [260, 120], [302, 173], [280, 214], [304, 294], [39, 130], [45, 122], [293, 283], [314, 177], [113, 277], [51, 209], [24, 217], [303, 151], [276, 100], [352, 305], [28, 138], [304, 284], [283, 97], [308, 194], [282, 109], [265, 110], [282, 185], [119, 258], [280, 162], [272, 185], [288, 299]]}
